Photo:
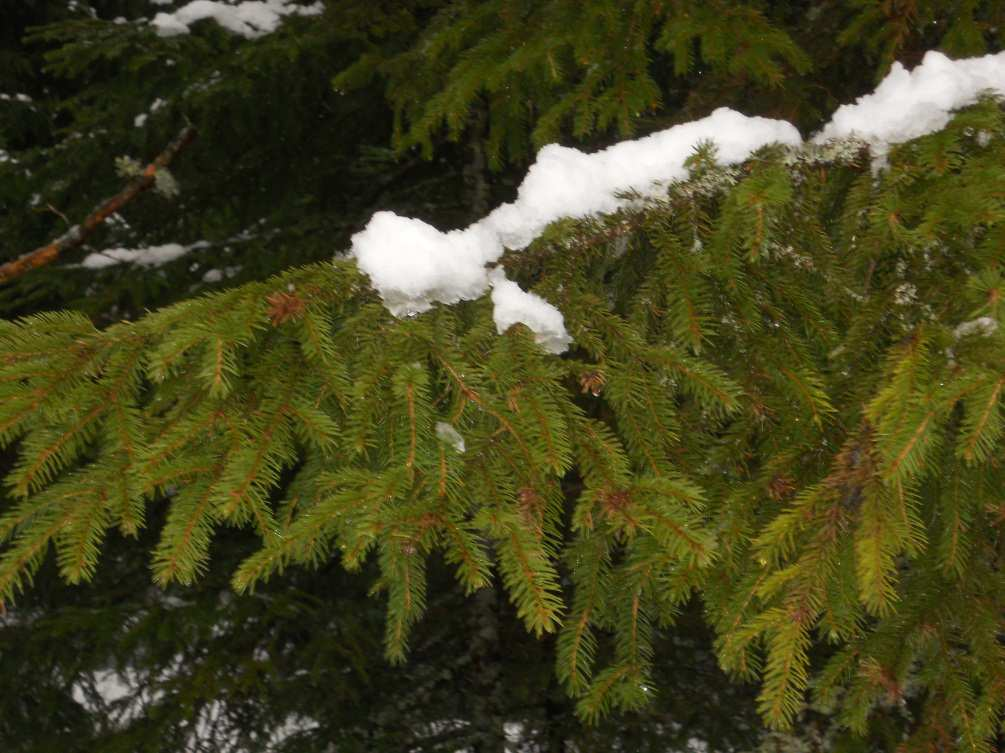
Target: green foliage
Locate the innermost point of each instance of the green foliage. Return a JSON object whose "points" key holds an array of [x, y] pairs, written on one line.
{"points": [[885, 29], [812, 451], [521, 74], [588, 66], [286, 166], [297, 666], [783, 405], [268, 125]]}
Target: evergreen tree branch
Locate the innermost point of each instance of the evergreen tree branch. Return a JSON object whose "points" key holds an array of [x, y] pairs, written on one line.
{"points": [[77, 234]]}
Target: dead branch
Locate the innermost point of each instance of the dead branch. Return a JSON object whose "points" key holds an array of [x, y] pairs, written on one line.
{"points": [[78, 233]]}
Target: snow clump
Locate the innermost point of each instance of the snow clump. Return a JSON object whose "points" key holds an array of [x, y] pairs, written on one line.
{"points": [[910, 104], [512, 305], [984, 325], [447, 433], [566, 182], [154, 256], [250, 19], [413, 265]]}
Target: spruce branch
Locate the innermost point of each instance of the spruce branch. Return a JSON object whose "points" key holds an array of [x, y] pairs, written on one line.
{"points": [[824, 468], [77, 234]]}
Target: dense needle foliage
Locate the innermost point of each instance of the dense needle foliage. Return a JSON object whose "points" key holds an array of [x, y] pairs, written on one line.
{"points": [[782, 405]]}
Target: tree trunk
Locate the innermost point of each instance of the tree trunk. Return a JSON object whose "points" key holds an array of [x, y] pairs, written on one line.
{"points": [[487, 720]]}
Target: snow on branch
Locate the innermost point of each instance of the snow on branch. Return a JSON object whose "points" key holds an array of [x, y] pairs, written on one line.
{"points": [[413, 265], [76, 235], [909, 104], [250, 19], [151, 256]]}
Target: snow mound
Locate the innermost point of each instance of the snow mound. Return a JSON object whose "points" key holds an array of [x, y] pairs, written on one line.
{"points": [[413, 265], [250, 19], [565, 182], [513, 305], [154, 256], [910, 104]]}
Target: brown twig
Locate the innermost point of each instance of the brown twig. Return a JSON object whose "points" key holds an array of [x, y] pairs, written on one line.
{"points": [[59, 214], [78, 233]]}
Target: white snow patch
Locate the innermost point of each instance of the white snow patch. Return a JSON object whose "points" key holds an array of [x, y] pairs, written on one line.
{"points": [[250, 19], [140, 120], [910, 104], [217, 275], [447, 433], [413, 265], [566, 182], [169, 25], [512, 305], [983, 325], [514, 732], [154, 256]]}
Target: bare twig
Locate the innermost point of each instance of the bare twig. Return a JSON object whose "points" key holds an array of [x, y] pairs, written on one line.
{"points": [[78, 233], [59, 214]]}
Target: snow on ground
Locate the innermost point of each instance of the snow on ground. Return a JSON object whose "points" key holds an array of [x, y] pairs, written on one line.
{"points": [[413, 265], [250, 19]]}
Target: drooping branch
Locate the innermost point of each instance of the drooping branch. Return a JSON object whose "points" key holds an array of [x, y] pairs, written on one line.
{"points": [[77, 234]]}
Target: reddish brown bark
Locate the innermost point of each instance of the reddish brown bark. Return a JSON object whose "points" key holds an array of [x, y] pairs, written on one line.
{"points": [[78, 233]]}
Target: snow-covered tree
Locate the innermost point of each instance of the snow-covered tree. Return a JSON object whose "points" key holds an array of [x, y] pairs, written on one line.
{"points": [[717, 365]]}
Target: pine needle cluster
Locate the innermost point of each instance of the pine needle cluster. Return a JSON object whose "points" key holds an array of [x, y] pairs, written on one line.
{"points": [[784, 398]]}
